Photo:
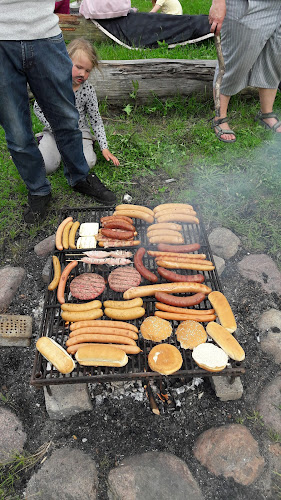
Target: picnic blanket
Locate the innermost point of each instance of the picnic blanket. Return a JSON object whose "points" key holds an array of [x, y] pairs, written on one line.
{"points": [[142, 29]]}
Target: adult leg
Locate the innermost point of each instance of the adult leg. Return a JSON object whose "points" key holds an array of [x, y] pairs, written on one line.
{"points": [[16, 121], [224, 101], [267, 98], [50, 152]]}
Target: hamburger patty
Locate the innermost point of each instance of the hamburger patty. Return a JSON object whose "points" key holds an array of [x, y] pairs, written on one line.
{"points": [[87, 286], [123, 278]]}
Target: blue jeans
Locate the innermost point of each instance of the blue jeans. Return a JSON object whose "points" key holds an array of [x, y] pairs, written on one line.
{"points": [[46, 66]]}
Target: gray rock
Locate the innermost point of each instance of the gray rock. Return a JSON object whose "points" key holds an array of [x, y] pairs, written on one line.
{"points": [[12, 435], [10, 280], [224, 242], [46, 246], [230, 451], [225, 389], [269, 404], [261, 268], [46, 270], [67, 400], [67, 475], [270, 326], [151, 476], [219, 263]]}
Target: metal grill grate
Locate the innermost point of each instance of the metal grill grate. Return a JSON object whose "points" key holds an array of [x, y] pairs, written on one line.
{"points": [[137, 367]]}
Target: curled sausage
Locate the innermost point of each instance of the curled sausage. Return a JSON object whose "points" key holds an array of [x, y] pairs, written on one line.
{"points": [[172, 276], [59, 232], [192, 247], [72, 234], [119, 224], [141, 268], [57, 273], [108, 218], [172, 300], [65, 235], [117, 234], [63, 280]]}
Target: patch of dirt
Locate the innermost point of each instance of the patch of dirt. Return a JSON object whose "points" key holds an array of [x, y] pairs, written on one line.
{"points": [[123, 427]]}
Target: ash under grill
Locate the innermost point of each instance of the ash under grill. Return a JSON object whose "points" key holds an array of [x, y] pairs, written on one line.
{"points": [[137, 368]]}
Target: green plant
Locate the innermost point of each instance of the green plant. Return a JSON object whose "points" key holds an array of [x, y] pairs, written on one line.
{"points": [[274, 436], [255, 417], [11, 470]]}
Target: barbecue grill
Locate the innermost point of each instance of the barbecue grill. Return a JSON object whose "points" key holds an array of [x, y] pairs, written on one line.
{"points": [[45, 374]]}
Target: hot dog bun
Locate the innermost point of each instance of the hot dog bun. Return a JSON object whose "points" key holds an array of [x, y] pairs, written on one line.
{"points": [[54, 353], [226, 341], [155, 329], [210, 357], [190, 334], [101, 355], [165, 359], [223, 310]]}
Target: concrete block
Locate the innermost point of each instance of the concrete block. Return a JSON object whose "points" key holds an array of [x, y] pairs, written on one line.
{"points": [[225, 389], [64, 401], [15, 330]]}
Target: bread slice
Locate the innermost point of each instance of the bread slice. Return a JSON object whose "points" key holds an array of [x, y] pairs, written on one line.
{"points": [[226, 341], [165, 359], [89, 229], [101, 355], [86, 242], [223, 310], [56, 354], [210, 357]]}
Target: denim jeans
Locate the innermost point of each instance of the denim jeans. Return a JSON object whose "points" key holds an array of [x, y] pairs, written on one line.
{"points": [[46, 66]]}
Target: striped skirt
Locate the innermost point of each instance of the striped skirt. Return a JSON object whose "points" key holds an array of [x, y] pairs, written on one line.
{"points": [[251, 45]]}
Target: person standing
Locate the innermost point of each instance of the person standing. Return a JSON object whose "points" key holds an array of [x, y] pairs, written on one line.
{"points": [[32, 50], [251, 47]]}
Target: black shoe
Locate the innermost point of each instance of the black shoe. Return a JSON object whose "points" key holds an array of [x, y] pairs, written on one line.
{"points": [[92, 186], [37, 209]]}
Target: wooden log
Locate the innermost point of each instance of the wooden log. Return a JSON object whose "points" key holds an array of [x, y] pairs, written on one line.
{"points": [[160, 77], [76, 26]]}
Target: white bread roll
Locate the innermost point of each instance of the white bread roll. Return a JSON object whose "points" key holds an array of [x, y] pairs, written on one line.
{"points": [[226, 341], [54, 353], [101, 355], [165, 359], [223, 310], [210, 357]]}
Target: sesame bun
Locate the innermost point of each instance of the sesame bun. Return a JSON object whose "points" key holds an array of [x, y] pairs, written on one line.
{"points": [[165, 359], [190, 334], [210, 357], [155, 329]]}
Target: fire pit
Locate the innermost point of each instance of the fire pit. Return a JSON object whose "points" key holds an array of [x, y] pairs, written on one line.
{"points": [[45, 374]]}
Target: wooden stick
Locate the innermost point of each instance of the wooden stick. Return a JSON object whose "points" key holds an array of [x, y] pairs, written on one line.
{"points": [[220, 74]]}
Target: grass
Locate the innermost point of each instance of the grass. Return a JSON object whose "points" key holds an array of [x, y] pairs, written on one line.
{"points": [[11, 471], [236, 186]]}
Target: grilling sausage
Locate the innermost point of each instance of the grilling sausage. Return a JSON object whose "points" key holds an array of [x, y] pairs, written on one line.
{"points": [[184, 310], [185, 265], [57, 273], [104, 331], [123, 304], [132, 313], [117, 234], [147, 290], [192, 247], [72, 235], [165, 206], [182, 317], [100, 338], [59, 232], [128, 349], [137, 214], [179, 217], [119, 224], [103, 323], [138, 262], [171, 300], [81, 315], [167, 238], [140, 208], [86, 306], [63, 279], [116, 217], [172, 276]]}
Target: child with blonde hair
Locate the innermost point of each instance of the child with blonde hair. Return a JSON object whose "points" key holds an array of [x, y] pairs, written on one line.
{"points": [[167, 7], [84, 59]]}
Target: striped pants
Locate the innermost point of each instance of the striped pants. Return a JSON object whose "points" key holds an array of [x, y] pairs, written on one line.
{"points": [[251, 45]]}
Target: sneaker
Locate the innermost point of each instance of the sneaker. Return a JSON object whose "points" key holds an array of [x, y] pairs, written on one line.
{"points": [[92, 186], [37, 209]]}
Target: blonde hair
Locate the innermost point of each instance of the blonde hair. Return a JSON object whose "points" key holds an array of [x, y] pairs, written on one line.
{"points": [[82, 45]]}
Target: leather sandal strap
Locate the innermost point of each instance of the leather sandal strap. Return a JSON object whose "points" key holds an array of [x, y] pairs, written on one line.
{"points": [[276, 126], [267, 115], [219, 121]]}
